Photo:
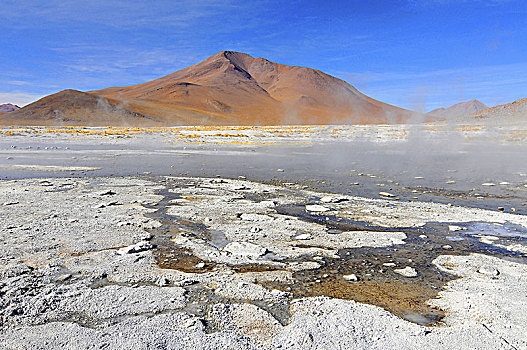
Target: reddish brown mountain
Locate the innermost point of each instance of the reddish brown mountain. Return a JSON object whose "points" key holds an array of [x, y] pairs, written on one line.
{"points": [[506, 114], [229, 88], [459, 109], [71, 107], [8, 107]]}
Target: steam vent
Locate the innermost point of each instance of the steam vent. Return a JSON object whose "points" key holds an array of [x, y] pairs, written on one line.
{"points": [[263, 175]]}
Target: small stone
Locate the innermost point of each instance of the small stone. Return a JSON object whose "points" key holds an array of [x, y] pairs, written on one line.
{"points": [[454, 228], [163, 281], [407, 272], [317, 208], [186, 282], [488, 239], [351, 277], [332, 199], [488, 270], [199, 266], [280, 170], [488, 184], [106, 193], [190, 323], [245, 249], [63, 278], [255, 229], [389, 264], [423, 236], [147, 237], [447, 246], [450, 182], [136, 248], [501, 208], [303, 236], [255, 217], [386, 195]]}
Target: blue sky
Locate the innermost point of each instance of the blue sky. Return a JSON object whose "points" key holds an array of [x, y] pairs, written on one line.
{"points": [[415, 54]]}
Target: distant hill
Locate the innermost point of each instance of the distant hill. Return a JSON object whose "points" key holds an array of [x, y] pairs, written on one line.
{"points": [[8, 107], [71, 107], [509, 113], [458, 110], [229, 88]]}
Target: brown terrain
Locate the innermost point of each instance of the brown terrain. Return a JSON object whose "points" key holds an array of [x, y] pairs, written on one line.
{"points": [[7, 107], [229, 88], [509, 113], [459, 110]]}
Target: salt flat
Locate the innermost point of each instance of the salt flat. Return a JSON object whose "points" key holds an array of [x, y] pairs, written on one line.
{"points": [[149, 239]]}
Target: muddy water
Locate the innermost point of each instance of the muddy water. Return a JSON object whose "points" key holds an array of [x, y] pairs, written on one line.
{"points": [[377, 282]]}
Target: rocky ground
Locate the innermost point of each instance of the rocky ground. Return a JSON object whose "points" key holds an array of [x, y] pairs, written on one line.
{"points": [[170, 262]]}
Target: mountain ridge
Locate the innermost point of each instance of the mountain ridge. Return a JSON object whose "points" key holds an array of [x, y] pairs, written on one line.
{"points": [[514, 112], [459, 109], [8, 107], [228, 88]]}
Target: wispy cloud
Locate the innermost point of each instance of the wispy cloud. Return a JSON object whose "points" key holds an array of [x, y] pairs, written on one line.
{"points": [[114, 13], [18, 98], [117, 59], [19, 83]]}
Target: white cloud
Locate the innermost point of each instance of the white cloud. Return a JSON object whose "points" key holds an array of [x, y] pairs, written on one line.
{"points": [[18, 98], [19, 83], [113, 12]]}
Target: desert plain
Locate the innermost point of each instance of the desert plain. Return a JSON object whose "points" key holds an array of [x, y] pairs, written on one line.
{"points": [[299, 237]]}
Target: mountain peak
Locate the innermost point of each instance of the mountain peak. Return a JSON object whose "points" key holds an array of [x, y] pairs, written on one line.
{"points": [[459, 109], [8, 107], [228, 88]]}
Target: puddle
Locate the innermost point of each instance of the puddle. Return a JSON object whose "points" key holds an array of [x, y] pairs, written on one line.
{"points": [[501, 230], [377, 283]]}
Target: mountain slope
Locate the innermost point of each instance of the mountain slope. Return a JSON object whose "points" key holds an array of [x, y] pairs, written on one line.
{"points": [[71, 107], [509, 113], [8, 107], [232, 88], [459, 109]]}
